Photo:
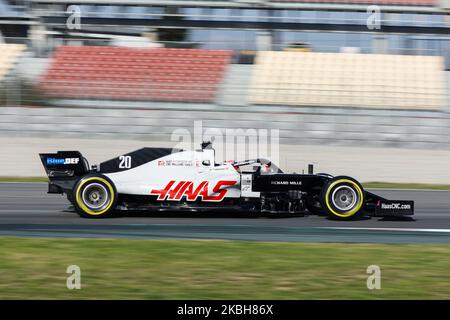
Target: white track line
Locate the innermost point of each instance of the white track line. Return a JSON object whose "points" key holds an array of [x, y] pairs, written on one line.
{"points": [[389, 229]]}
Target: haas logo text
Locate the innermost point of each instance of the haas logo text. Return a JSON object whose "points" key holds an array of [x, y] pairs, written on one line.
{"points": [[176, 190]]}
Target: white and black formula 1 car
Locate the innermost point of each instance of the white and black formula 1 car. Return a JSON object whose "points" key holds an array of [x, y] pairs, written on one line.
{"points": [[158, 179]]}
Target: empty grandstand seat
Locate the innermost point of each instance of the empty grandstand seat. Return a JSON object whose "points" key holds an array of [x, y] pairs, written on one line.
{"points": [[9, 53], [348, 80], [154, 74]]}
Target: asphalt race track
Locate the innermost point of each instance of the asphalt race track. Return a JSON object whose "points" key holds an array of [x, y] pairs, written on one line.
{"points": [[27, 210]]}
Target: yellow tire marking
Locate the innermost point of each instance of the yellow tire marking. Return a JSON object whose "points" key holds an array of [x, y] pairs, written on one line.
{"points": [[355, 209], [84, 207]]}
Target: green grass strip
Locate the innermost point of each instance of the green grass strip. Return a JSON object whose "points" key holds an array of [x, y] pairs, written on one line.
{"points": [[35, 268], [23, 179]]}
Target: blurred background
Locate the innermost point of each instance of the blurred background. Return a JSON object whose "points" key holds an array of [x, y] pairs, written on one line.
{"points": [[359, 85]]}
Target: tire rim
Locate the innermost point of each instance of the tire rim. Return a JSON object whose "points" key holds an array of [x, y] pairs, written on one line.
{"points": [[95, 196], [344, 198]]}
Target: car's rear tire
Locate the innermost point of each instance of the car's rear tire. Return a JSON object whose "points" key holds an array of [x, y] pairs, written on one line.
{"points": [[343, 198], [95, 196]]}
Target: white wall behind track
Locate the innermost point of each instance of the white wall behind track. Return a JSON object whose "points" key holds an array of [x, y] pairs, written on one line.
{"points": [[387, 128], [19, 157]]}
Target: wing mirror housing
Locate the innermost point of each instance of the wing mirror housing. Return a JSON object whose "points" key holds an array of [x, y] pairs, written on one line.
{"points": [[206, 163]]}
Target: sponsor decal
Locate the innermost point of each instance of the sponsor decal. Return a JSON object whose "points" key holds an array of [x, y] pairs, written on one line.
{"points": [[395, 206], [176, 163], [176, 190], [286, 183], [53, 161]]}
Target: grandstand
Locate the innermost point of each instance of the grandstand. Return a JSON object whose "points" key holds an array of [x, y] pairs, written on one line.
{"points": [[416, 27], [348, 80], [183, 75], [241, 4], [311, 68], [278, 78], [14, 22], [9, 54]]}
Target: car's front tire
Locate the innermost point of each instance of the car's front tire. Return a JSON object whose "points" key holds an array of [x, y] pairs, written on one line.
{"points": [[343, 198], [95, 196]]}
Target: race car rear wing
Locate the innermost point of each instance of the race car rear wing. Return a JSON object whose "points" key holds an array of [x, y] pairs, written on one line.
{"points": [[64, 164], [63, 168]]}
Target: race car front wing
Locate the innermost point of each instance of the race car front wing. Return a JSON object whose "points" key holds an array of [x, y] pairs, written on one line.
{"points": [[394, 208], [380, 207]]}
